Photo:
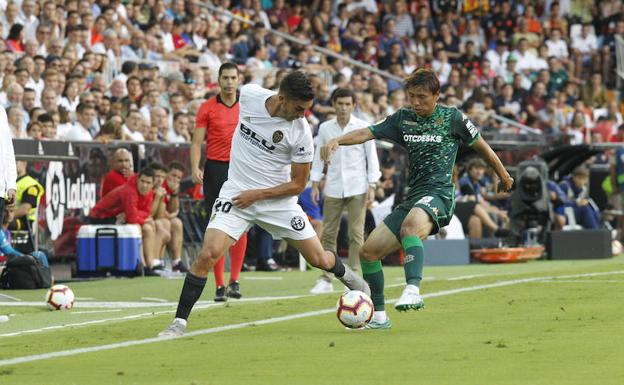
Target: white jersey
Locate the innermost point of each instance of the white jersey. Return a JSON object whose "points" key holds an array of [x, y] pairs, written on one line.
{"points": [[263, 147]]}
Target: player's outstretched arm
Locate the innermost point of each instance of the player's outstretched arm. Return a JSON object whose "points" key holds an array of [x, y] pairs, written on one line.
{"points": [[486, 152], [299, 174], [354, 137]]}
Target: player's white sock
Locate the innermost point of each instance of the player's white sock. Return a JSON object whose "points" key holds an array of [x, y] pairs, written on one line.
{"points": [[181, 320], [380, 316]]}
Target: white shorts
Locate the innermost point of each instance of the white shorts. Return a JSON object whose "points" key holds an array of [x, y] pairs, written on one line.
{"points": [[282, 221]]}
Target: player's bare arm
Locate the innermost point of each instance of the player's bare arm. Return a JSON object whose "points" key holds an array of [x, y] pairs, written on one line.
{"points": [[299, 174], [486, 152], [354, 137], [198, 139]]}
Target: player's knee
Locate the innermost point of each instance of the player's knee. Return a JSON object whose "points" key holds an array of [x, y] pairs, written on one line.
{"points": [[367, 254], [148, 228], [413, 228], [176, 224]]}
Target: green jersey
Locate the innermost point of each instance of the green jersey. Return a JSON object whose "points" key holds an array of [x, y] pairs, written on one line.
{"points": [[431, 143]]}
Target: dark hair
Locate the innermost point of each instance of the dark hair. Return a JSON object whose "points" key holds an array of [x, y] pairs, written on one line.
{"points": [[228, 66], [45, 118], [155, 166], [342, 93], [128, 67], [178, 115], [423, 77], [297, 86], [15, 31], [147, 171], [83, 106], [175, 165]]}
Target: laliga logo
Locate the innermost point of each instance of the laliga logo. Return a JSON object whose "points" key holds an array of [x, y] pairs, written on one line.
{"points": [[62, 194]]}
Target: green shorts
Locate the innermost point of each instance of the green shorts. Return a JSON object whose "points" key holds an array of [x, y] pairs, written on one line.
{"points": [[439, 207]]}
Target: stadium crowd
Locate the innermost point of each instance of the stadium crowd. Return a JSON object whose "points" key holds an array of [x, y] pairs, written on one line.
{"points": [[139, 70], [94, 70]]}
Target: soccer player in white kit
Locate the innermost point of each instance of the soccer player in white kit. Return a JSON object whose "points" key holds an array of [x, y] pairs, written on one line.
{"points": [[272, 151]]}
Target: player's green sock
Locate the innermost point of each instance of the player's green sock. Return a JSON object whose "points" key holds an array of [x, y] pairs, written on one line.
{"points": [[414, 259], [373, 274]]}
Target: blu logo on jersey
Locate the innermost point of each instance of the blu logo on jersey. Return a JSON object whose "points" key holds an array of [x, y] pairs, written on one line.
{"points": [[255, 139]]}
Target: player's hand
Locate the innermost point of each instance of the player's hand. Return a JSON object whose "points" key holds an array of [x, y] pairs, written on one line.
{"points": [[328, 150], [370, 196], [160, 191], [247, 198], [10, 197], [315, 193], [121, 219], [505, 184], [198, 176]]}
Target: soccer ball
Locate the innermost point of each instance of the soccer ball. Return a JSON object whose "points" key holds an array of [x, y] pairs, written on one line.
{"points": [[354, 309], [60, 297]]}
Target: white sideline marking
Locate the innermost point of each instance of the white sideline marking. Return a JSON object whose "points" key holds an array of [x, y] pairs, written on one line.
{"points": [[73, 352], [461, 277], [94, 311], [154, 299], [256, 278], [10, 297], [137, 305], [85, 298], [199, 305]]}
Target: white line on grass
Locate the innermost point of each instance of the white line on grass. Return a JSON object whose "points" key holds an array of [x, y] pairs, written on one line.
{"points": [[199, 305], [154, 299], [9, 297], [94, 311], [73, 352], [138, 305]]}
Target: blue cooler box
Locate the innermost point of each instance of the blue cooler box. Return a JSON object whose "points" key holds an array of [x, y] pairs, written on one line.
{"points": [[108, 248]]}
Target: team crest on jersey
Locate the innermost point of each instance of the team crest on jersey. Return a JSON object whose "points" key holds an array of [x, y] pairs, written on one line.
{"points": [[278, 136], [439, 121], [297, 223]]}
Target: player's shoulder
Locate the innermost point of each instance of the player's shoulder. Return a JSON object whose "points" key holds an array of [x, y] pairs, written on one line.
{"points": [[254, 91]]}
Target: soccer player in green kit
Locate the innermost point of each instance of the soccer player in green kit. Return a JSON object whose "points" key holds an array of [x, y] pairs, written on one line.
{"points": [[431, 133]]}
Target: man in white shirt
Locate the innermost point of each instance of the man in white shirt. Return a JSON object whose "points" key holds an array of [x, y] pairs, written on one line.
{"points": [[585, 50], [8, 172], [557, 47], [350, 183], [80, 131], [269, 166]]}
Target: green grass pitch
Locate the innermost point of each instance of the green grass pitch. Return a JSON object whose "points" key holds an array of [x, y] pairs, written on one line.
{"points": [[543, 322]]}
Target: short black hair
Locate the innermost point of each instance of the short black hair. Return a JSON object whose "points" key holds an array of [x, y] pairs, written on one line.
{"points": [[228, 66], [342, 93], [147, 171], [175, 165], [45, 118], [296, 85], [155, 166], [423, 77], [128, 67]]}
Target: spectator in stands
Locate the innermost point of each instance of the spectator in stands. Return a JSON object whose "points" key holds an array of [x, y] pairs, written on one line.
{"points": [[576, 189], [14, 116], [121, 171], [551, 118], [34, 130], [131, 204], [350, 184], [48, 127], [83, 127]]}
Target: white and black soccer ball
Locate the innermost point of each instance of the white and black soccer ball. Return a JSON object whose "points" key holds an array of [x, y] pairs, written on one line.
{"points": [[60, 297], [354, 309]]}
